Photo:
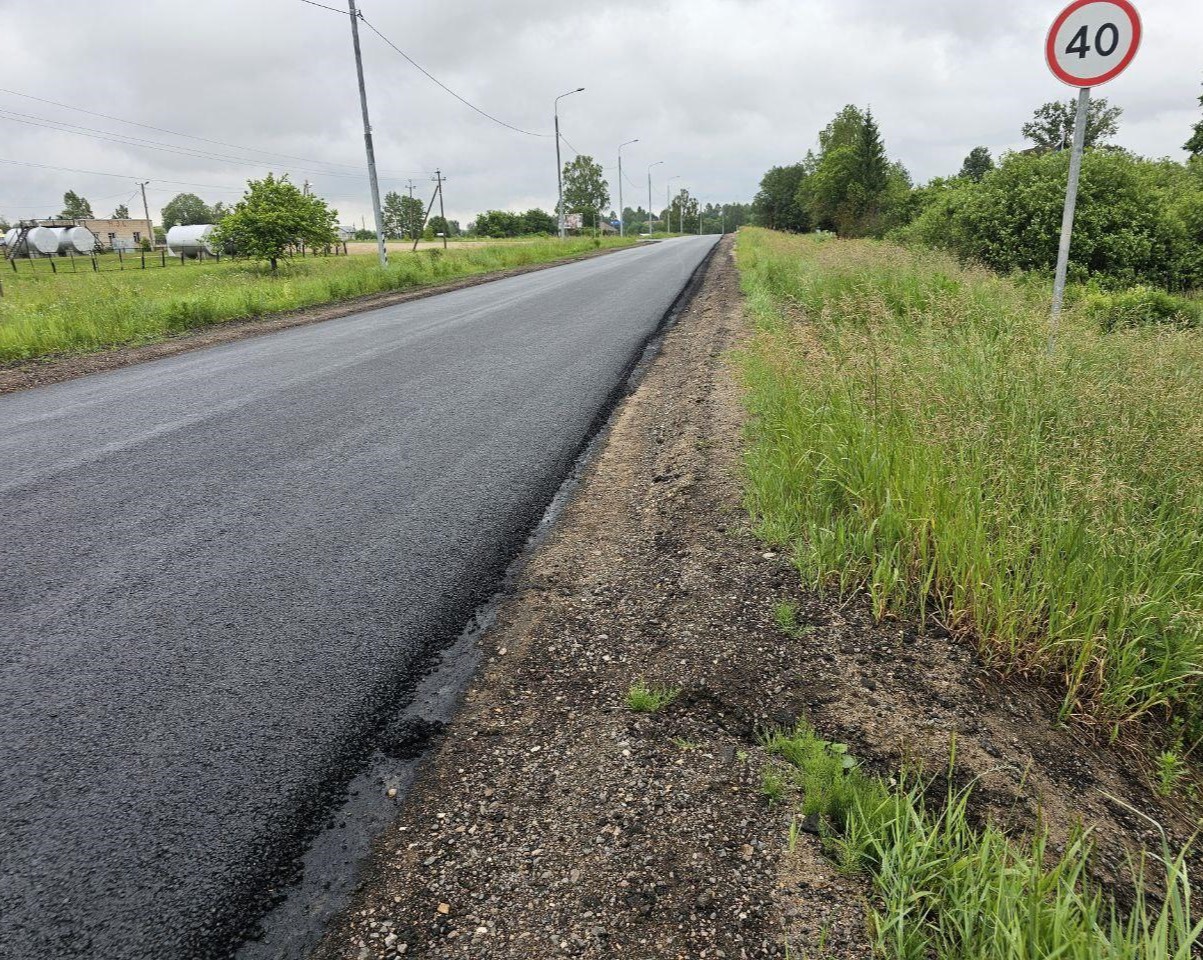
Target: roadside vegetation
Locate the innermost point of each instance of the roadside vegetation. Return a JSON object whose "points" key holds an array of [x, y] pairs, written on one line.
{"points": [[948, 888], [44, 314], [912, 437]]}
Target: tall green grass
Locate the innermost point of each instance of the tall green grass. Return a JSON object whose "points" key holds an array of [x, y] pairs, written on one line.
{"points": [[911, 436], [42, 313], [949, 890]]}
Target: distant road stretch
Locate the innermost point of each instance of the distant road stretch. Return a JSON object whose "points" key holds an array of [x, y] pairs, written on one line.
{"points": [[219, 567]]}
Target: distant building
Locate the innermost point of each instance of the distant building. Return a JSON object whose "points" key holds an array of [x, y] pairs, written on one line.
{"points": [[120, 234]]}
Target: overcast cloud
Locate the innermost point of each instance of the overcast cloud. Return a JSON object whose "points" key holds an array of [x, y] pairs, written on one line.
{"points": [[719, 89]]}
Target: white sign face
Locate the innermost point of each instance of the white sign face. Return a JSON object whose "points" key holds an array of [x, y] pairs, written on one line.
{"points": [[572, 221], [1092, 41]]}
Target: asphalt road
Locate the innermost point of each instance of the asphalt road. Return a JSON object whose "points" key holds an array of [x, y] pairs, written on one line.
{"points": [[219, 568]]}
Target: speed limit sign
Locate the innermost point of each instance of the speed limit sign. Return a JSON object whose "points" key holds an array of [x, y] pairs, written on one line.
{"points": [[1093, 41]]}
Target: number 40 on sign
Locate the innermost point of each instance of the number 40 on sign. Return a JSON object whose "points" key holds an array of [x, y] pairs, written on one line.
{"points": [[1091, 42]]}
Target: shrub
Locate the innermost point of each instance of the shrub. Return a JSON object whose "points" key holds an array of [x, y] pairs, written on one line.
{"points": [[1138, 221], [1140, 306]]}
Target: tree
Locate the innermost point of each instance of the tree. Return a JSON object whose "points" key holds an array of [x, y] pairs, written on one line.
{"points": [[684, 212], [274, 218], [185, 209], [499, 223], [585, 189], [977, 164], [1195, 143], [402, 215], [121, 213], [851, 186], [538, 221], [776, 203], [437, 225], [1052, 125], [393, 214], [75, 207], [412, 214]]}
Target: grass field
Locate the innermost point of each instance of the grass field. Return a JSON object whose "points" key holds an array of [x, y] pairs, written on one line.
{"points": [[912, 437], [42, 314]]}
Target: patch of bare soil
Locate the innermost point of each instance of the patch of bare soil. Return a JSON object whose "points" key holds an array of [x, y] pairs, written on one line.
{"points": [[56, 369], [554, 821]]}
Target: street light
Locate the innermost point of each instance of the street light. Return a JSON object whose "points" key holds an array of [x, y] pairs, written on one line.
{"points": [[621, 219], [668, 207], [559, 168], [649, 194]]}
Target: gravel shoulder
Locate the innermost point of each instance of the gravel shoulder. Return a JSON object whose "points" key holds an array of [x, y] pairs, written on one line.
{"points": [[49, 370], [551, 820]]}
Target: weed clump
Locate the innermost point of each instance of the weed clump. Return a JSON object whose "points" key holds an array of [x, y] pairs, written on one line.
{"points": [[644, 699]]}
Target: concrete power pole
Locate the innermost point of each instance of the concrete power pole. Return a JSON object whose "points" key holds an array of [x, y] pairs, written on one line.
{"points": [[146, 211], [367, 136], [438, 175]]}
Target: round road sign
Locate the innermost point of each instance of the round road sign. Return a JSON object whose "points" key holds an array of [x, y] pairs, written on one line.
{"points": [[1092, 41]]}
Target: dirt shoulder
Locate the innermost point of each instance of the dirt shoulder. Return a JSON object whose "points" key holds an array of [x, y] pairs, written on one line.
{"points": [[49, 370], [553, 821]]}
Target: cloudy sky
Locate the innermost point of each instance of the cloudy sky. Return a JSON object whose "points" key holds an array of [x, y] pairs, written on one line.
{"points": [[718, 89]]}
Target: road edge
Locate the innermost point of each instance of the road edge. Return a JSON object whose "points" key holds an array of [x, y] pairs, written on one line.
{"points": [[48, 371]]}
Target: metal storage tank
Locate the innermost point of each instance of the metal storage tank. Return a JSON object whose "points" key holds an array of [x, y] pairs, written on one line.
{"points": [[191, 241], [10, 237], [76, 240], [42, 240]]}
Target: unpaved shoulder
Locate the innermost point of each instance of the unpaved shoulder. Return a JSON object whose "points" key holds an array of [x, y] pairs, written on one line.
{"points": [[554, 821]]}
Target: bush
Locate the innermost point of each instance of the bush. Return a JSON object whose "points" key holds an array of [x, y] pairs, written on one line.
{"points": [[1140, 306], [1138, 221]]}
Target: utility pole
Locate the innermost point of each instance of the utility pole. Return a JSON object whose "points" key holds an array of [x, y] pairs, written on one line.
{"points": [[410, 186], [438, 175], [367, 136], [622, 220], [668, 207], [649, 195], [559, 166], [146, 211], [305, 189]]}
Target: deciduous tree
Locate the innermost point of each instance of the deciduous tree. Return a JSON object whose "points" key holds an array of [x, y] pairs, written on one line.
{"points": [[1195, 144], [585, 189], [121, 213], [75, 207], [185, 209], [274, 218], [1052, 125], [977, 164], [776, 203], [538, 221]]}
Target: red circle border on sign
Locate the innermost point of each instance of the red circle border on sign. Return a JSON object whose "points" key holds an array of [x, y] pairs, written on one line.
{"points": [[1050, 53]]}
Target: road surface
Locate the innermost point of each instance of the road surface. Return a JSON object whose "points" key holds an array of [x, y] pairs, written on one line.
{"points": [[220, 568]]}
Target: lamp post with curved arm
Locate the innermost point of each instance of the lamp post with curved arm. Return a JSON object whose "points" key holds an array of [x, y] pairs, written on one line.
{"points": [[622, 226], [649, 195], [559, 167]]}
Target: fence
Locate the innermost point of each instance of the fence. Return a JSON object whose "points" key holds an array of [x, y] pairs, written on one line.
{"points": [[119, 260]]}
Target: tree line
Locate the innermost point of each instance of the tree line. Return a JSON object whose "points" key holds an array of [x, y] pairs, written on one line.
{"points": [[1139, 220]]}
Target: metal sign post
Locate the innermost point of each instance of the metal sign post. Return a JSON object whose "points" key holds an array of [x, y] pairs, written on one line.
{"points": [[1091, 42]]}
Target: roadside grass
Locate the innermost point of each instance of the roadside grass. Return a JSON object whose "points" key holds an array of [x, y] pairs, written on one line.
{"points": [[42, 314], [644, 699], [948, 889], [911, 437]]}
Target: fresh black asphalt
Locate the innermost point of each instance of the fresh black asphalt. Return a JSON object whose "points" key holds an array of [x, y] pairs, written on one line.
{"points": [[221, 568]]}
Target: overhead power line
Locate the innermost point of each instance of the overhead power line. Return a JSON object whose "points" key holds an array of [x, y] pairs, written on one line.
{"points": [[158, 180], [177, 133], [433, 78], [130, 141]]}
